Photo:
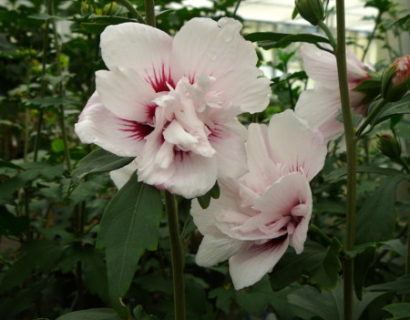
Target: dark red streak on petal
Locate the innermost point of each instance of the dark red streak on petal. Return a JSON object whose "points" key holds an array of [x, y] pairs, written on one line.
{"points": [[138, 131], [161, 80]]}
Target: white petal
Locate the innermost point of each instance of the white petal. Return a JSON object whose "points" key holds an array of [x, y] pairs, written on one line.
{"points": [[213, 250], [320, 108], [121, 176], [188, 174], [320, 66], [175, 134], [135, 45], [230, 150], [251, 264], [295, 145], [246, 89], [262, 169], [203, 46], [98, 125], [125, 93]]}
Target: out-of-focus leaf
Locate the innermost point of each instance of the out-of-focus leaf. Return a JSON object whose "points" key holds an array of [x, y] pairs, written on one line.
{"points": [[99, 161], [399, 311], [269, 40], [399, 286], [91, 314], [224, 297], [10, 224], [38, 255], [130, 225], [338, 173], [205, 200], [376, 219]]}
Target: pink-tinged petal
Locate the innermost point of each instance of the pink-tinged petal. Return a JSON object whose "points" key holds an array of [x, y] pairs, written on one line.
{"points": [[251, 264], [204, 46], [138, 46], [183, 173], [121, 176], [320, 108], [213, 250], [247, 90], [300, 148], [228, 142], [175, 134], [274, 209], [262, 169], [125, 93], [321, 66], [291, 198], [98, 125]]}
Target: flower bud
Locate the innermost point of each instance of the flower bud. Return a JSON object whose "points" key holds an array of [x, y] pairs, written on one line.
{"points": [[390, 147], [396, 79], [311, 10]]}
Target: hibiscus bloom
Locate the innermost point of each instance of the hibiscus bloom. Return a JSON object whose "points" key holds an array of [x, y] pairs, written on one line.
{"points": [[268, 209], [172, 102], [321, 105]]}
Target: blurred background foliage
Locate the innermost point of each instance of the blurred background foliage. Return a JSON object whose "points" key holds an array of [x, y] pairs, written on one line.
{"points": [[51, 257]]}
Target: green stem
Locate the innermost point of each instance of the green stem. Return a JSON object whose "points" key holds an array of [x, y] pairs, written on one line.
{"points": [[348, 264], [373, 113], [235, 11], [60, 91], [177, 256], [43, 82], [133, 12], [150, 12], [371, 37], [328, 33]]}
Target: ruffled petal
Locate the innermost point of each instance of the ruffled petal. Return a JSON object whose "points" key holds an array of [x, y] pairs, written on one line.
{"points": [[137, 46], [98, 125], [251, 264], [121, 176], [204, 46], [125, 93], [320, 108], [302, 150], [213, 250]]}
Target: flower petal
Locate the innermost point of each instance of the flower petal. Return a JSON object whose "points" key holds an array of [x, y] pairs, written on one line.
{"points": [[98, 125], [125, 93], [121, 176], [203, 46], [251, 264], [228, 141], [302, 150], [213, 250], [320, 108], [135, 45]]}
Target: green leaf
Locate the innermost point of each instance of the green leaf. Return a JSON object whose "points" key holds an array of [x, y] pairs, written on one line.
{"points": [[99, 161], [400, 286], [269, 40], [338, 173], [91, 314], [40, 255], [399, 311], [394, 108], [205, 200], [224, 296], [376, 219], [130, 225], [10, 224], [315, 260]]}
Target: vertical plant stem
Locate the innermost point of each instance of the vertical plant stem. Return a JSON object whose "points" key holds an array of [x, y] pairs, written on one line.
{"points": [[372, 35], [150, 12], [348, 264], [134, 13], [60, 91], [43, 82], [235, 11], [177, 256]]}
